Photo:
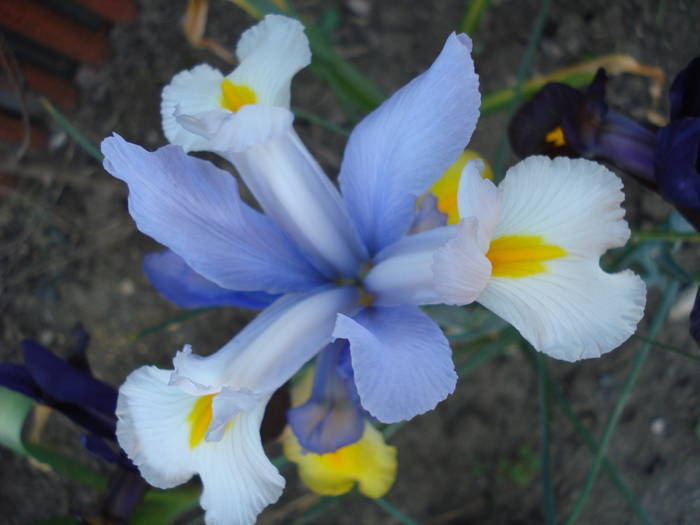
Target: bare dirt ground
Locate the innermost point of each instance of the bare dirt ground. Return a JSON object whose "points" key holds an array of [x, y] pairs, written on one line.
{"points": [[70, 252]]}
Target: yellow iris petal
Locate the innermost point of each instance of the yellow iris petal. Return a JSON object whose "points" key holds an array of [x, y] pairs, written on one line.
{"points": [[369, 462], [234, 96], [520, 255], [556, 137], [445, 188], [199, 419]]}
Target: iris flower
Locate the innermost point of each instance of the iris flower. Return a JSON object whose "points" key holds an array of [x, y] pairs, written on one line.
{"points": [[677, 162], [561, 120], [341, 262], [345, 447]]}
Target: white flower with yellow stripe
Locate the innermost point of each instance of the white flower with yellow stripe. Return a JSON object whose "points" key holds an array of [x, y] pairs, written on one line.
{"points": [[270, 54], [529, 251]]}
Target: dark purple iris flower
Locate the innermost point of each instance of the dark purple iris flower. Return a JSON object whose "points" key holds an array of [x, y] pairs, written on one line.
{"points": [[68, 387], [561, 120]]}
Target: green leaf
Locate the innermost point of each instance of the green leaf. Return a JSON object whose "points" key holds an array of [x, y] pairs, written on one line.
{"points": [[63, 123], [354, 90], [472, 16], [65, 520], [67, 466], [14, 409], [162, 507]]}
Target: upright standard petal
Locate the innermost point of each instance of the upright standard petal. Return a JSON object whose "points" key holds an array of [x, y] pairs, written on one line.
{"points": [[292, 189], [401, 359], [270, 54], [330, 417], [177, 282], [401, 148], [194, 208]]}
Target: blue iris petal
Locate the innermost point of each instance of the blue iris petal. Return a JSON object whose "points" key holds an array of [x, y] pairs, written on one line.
{"points": [[63, 383], [332, 417], [52, 381], [177, 282], [677, 163]]}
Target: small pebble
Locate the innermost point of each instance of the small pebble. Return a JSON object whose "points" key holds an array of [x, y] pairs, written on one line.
{"points": [[658, 426], [46, 337], [126, 287]]}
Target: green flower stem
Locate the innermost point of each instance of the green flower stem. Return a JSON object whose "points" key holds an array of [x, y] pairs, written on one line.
{"points": [[396, 513], [548, 507], [664, 236], [640, 358], [592, 444], [523, 71]]}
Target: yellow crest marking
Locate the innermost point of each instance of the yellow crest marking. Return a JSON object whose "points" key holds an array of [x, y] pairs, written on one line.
{"points": [[445, 188], [556, 137], [234, 96], [520, 255], [199, 419]]}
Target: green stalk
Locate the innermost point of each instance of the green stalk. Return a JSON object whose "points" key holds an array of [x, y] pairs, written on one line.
{"points": [[548, 507], [396, 513], [525, 65], [640, 358]]}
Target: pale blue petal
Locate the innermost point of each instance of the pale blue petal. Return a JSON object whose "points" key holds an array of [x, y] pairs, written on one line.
{"points": [[272, 347], [332, 417], [403, 272], [194, 208], [401, 148], [177, 282], [402, 361]]}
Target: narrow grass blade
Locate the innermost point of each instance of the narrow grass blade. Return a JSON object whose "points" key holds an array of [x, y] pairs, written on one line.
{"points": [[640, 358], [168, 322], [348, 83], [578, 75], [667, 347], [63, 123], [324, 504], [472, 16], [664, 236], [609, 469], [311, 117], [395, 513], [548, 507], [67, 466], [523, 71]]}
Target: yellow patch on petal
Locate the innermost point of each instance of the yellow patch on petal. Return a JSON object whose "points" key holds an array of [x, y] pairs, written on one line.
{"points": [[556, 137], [520, 255], [234, 96], [445, 188], [199, 419], [369, 462]]}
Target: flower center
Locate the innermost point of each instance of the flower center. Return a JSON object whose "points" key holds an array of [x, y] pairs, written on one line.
{"points": [[556, 137]]}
